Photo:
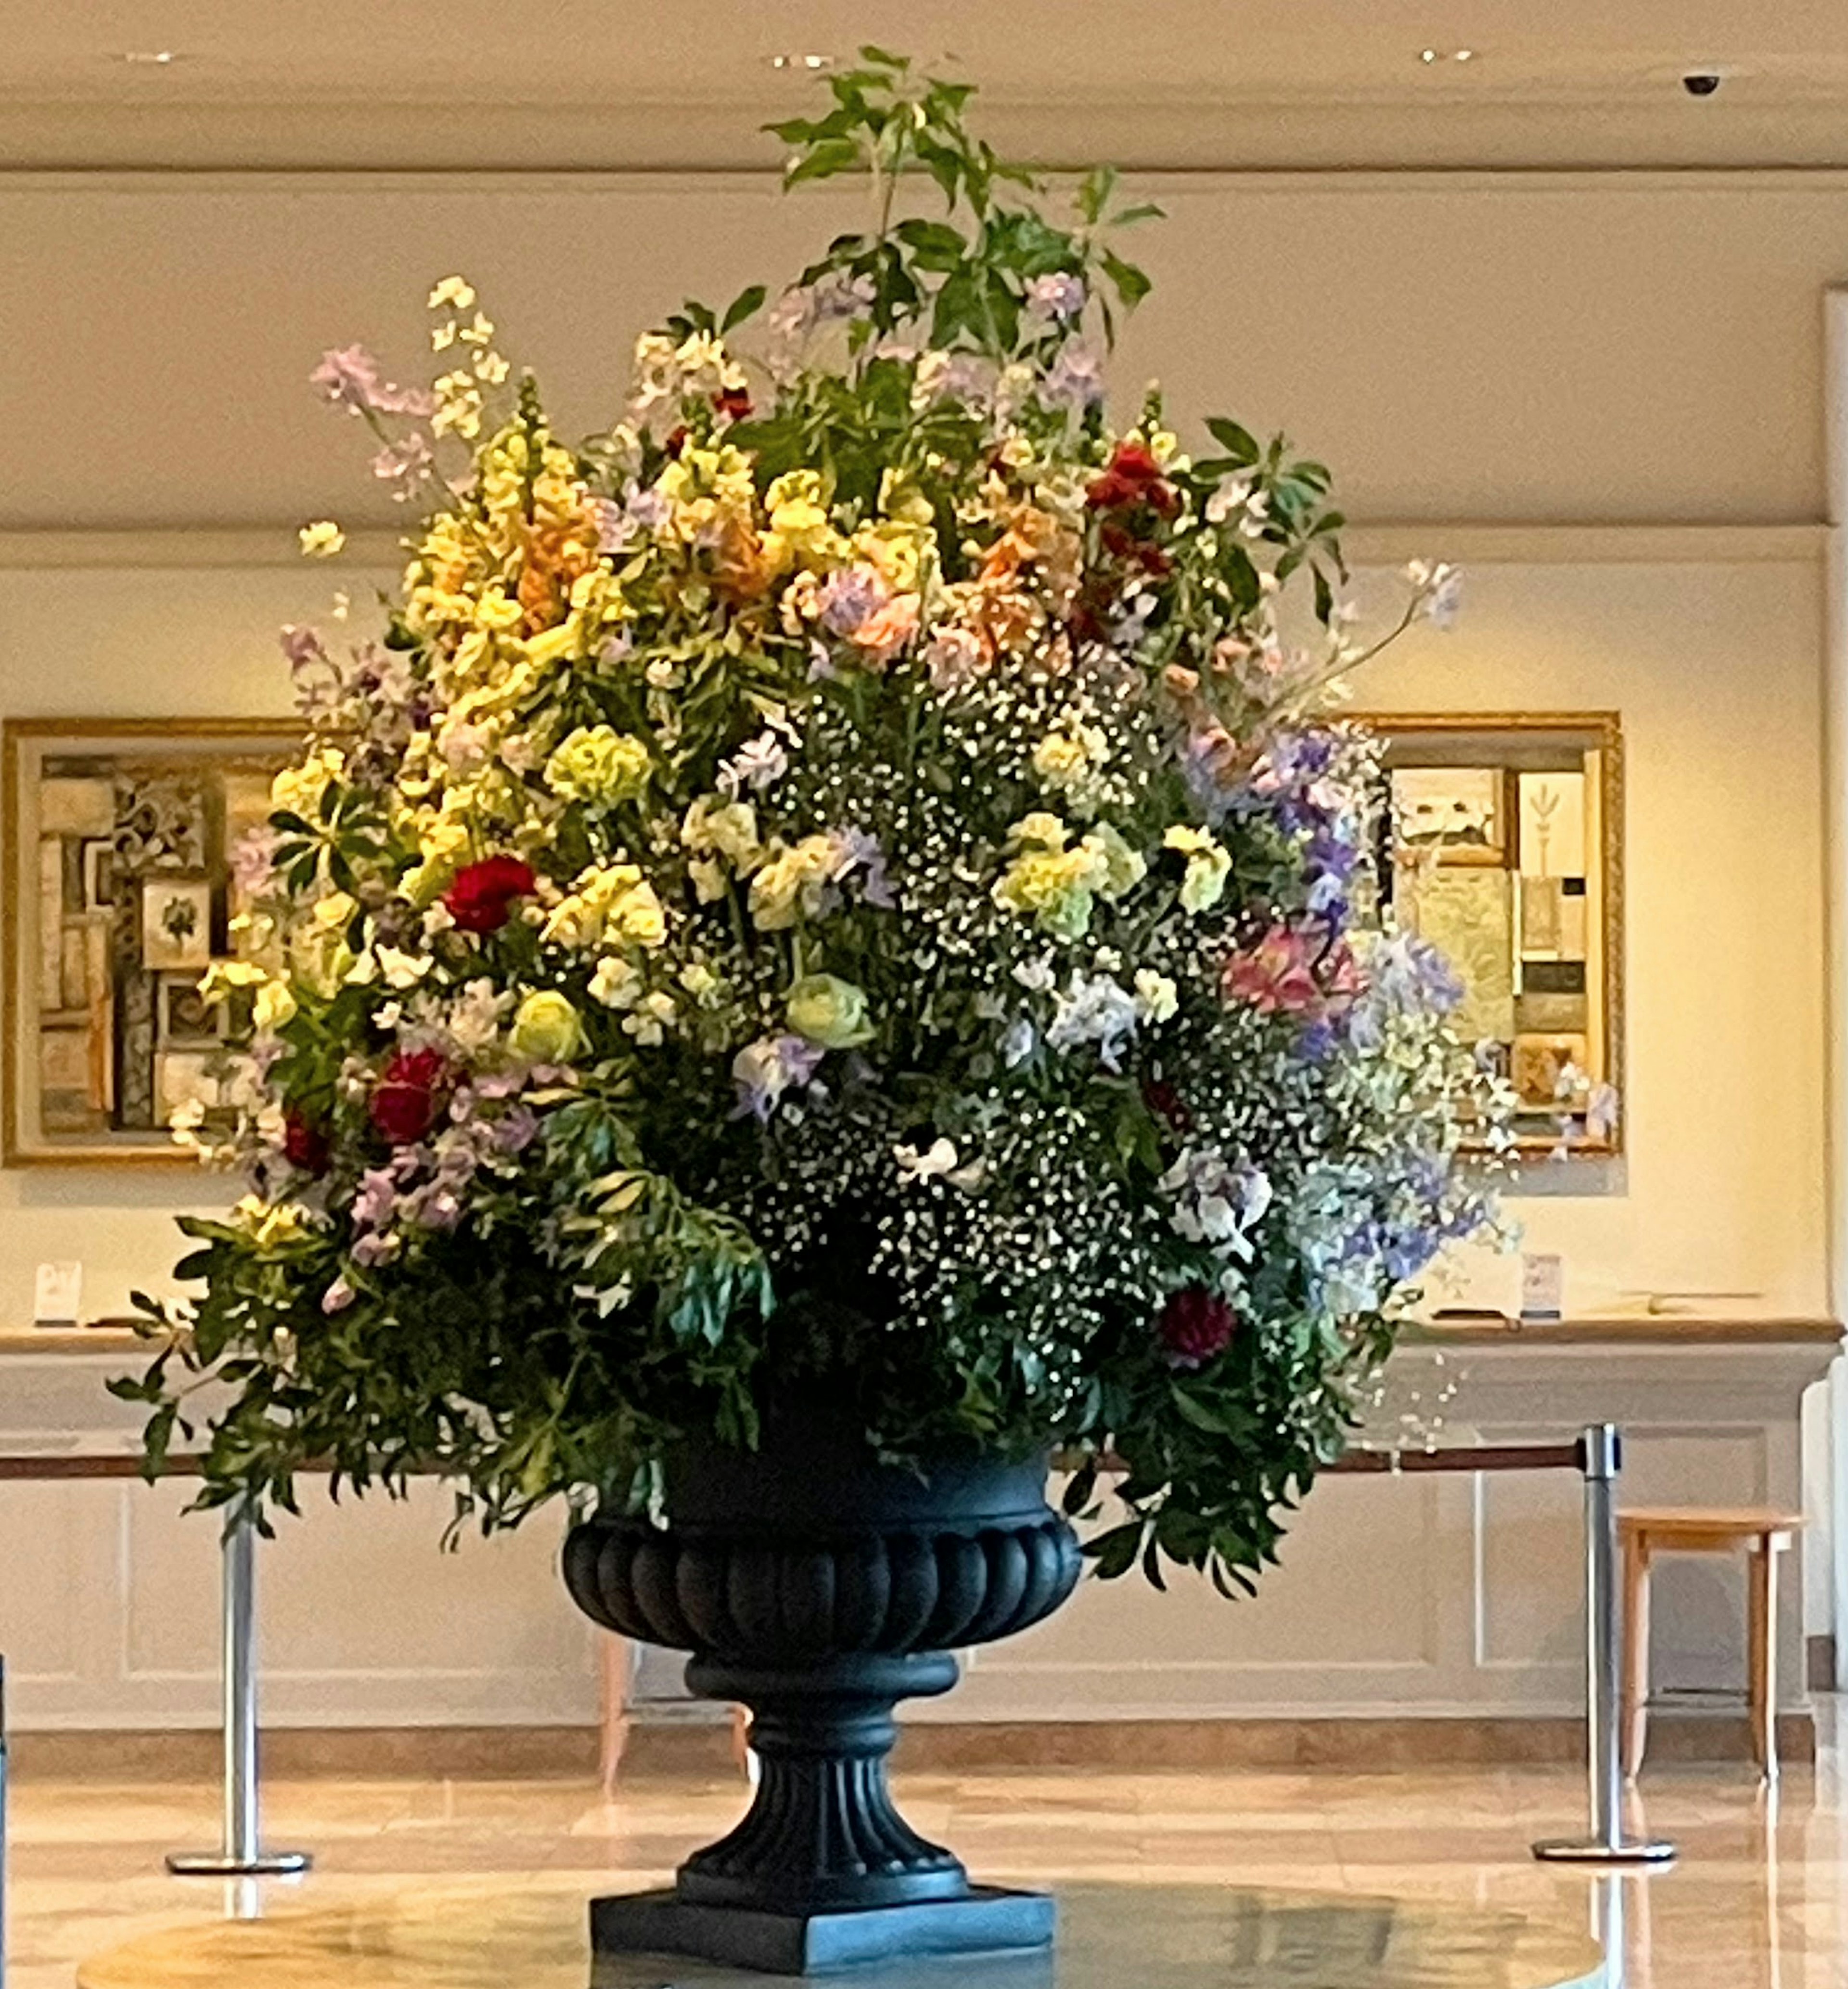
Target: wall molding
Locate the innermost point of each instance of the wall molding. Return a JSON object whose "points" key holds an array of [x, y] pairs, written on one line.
{"points": [[255, 547]]}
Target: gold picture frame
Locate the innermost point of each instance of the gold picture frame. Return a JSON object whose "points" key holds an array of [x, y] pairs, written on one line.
{"points": [[111, 823], [1566, 931]]}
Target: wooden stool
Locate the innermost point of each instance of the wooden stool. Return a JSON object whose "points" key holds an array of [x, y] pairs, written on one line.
{"points": [[1764, 1534], [618, 1663]]}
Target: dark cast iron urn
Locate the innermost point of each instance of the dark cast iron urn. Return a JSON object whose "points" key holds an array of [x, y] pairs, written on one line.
{"points": [[819, 1587]]}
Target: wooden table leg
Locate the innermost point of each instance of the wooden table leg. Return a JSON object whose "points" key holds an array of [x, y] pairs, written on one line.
{"points": [[1636, 1651], [1761, 1636], [617, 1664]]}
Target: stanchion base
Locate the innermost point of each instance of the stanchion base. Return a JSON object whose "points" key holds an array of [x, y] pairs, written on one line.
{"points": [[221, 1864], [1592, 1850]]}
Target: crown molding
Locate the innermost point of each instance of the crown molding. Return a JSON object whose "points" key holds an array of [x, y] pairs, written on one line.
{"points": [[256, 548], [1420, 131]]}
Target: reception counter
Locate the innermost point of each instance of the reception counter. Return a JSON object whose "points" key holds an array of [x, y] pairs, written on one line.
{"points": [[1400, 1597]]}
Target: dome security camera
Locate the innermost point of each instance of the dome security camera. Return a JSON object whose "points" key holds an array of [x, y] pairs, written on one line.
{"points": [[1701, 82]]}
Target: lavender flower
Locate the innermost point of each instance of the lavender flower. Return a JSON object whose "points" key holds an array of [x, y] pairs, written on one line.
{"points": [[1060, 297], [850, 596], [763, 1070], [1074, 381]]}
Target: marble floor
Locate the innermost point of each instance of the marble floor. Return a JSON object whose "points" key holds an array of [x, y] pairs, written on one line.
{"points": [[1759, 1901]]}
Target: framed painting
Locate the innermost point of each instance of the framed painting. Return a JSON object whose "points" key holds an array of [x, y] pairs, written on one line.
{"points": [[1499, 838], [120, 891]]}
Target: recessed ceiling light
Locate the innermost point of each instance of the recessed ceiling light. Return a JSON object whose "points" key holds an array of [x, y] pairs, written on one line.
{"points": [[1464, 55], [808, 61], [150, 58], [1429, 56]]}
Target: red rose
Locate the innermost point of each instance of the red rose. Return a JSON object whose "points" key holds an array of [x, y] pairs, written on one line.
{"points": [[1194, 1325], [733, 403], [305, 1144], [404, 1100], [483, 892], [1134, 477], [1162, 1098]]}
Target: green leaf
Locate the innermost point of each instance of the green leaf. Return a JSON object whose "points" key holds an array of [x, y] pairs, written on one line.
{"points": [[1132, 285], [1240, 443], [1115, 1552], [747, 303], [822, 161]]}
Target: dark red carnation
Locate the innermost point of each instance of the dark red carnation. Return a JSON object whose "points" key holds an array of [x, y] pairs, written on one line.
{"points": [[733, 403], [305, 1144], [483, 894], [1134, 477], [409, 1095], [1194, 1325], [1162, 1098]]}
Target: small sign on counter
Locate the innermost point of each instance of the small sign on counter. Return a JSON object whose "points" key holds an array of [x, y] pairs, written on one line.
{"points": [[1542, 1287], [58, 1295]]}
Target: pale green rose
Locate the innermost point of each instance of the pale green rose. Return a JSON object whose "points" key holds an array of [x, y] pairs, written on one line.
{"points": [[598, 764], [546, 1029], [829, 1011]]}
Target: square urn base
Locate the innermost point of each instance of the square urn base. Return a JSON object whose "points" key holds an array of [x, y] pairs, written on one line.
{"points": [[989, 1921]]}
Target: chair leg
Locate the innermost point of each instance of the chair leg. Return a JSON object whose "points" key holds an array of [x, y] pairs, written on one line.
{"points": [[613, 1728], [740, 1740], [1636, 1652], [1762, 1637]]}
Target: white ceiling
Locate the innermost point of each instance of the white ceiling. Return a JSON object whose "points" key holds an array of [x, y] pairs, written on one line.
{"points": [[286, 81]]}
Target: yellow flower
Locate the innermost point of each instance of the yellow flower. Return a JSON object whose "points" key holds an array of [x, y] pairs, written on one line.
{"points": [[269, 1225], [275, 1006], [546, 1029], [455, 292], [298, 790], [322, 539], [829, 1011], [790, 885], [1124, 869], [1208, 867], [223, 978], [1056, 887], [598, 764], [611, 902]]}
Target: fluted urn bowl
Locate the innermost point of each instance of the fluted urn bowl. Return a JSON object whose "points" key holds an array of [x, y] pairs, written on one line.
{"points": [[819, 1587]]}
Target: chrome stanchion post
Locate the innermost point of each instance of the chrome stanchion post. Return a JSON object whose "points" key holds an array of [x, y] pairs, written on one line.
{"points": [[241, 1854], [1601, 1459]]}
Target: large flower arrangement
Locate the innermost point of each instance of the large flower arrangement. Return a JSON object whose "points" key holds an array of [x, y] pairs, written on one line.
{"points": [[841, 884]]}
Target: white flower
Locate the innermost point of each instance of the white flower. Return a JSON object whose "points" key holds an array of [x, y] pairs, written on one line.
{"points": [[1099, 1009], [615, 983], [322, 539], [1035, 976], [939, 1159], [1157, 996], [402, 970]]}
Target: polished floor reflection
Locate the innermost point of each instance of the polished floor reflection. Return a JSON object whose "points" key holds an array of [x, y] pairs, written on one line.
{"points": [[1122, 1937], [1759, 1901]]}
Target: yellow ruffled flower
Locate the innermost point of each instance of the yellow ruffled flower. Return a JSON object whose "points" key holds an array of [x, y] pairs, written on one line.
{"points": [[829, 1011], [275, 1006], [598, 764]]}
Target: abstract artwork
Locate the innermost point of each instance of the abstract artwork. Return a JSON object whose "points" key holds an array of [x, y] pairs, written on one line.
{"points": [[121, 893]]}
